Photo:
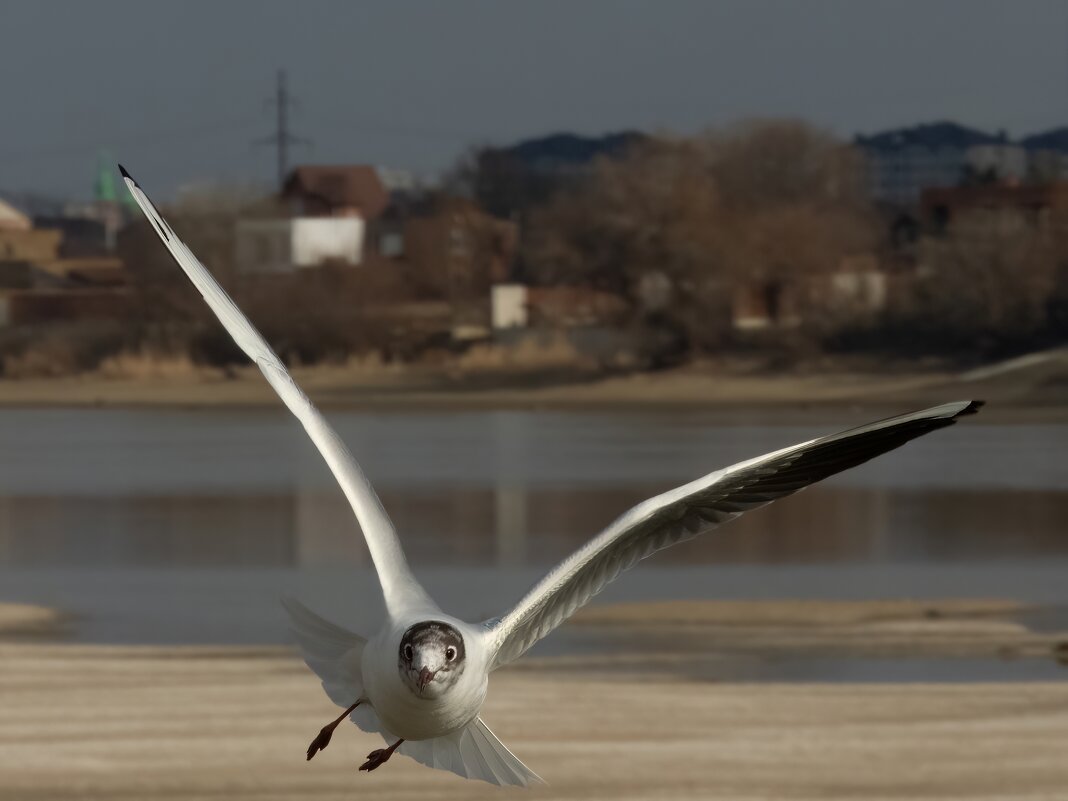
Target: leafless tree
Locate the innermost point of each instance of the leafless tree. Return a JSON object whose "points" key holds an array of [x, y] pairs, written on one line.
{"points": [[768, 202], [988, 283]]}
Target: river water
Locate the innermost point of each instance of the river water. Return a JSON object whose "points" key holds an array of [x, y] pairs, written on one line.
{"points": [[185, 526]]}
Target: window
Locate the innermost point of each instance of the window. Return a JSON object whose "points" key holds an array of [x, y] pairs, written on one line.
{"points": [[391, 244]]}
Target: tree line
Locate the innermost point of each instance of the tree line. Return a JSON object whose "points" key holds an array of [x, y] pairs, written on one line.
{"points": [[676, 227]]}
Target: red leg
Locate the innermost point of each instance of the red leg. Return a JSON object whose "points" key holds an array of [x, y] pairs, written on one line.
{"points": [[379, 757], [322, 740]]}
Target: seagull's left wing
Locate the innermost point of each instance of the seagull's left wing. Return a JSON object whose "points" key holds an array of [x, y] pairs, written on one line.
{"points": [[399, 586], [694, 508]]}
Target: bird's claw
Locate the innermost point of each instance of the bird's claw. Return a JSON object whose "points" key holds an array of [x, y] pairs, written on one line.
{"points": [[376, 759], [321, 741]]}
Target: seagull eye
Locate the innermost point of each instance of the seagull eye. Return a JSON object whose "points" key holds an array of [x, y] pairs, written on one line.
{"points": [[450, 653], [408, 653]]}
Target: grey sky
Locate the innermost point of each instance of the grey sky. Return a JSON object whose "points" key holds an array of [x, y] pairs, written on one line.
{"points": [[175, 90]]}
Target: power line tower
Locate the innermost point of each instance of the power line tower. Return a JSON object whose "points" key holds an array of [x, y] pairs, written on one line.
{"points": [[282, 138]]}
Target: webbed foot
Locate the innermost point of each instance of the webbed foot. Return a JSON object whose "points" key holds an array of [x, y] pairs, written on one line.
{"points": [[322, 739], [380, 757]]}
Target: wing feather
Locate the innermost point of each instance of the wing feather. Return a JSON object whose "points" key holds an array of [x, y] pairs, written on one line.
{"points": [[683, 513], [399, 586]]}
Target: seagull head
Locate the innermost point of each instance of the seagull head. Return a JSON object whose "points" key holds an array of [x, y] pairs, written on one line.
{"points": [[431, 658]]}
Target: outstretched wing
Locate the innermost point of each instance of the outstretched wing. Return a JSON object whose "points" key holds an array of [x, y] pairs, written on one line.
{"points": [[399, 586], [683, 513]]}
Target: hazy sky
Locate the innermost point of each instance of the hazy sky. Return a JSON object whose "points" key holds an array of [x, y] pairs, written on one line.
{"points": [[176, 90]]}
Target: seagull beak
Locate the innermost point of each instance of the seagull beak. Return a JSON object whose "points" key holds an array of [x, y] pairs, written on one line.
{"points": [[425, 677]]}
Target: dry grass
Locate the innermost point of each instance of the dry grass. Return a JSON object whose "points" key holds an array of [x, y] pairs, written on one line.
{"points": [[153, 366], [528, 354], [51, 356]]}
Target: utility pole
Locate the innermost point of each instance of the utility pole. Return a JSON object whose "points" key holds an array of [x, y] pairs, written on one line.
{"points": [[282, 138]]}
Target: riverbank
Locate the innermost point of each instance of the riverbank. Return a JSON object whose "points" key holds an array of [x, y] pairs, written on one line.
{"points": [[99, 722], [28, 620], [1034, 389]]}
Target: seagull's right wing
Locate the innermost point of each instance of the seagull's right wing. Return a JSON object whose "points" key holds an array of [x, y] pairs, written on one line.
{"points": [[683, 513], [399, 586]]}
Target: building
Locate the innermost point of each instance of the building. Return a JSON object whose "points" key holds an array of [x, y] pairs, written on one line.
{"points": [[329, 210], [432, 257], [11, 219], [43, 281], [81, 237], [452, 250], [507, 181], [859, 287], [29, 245], [38, 285], [1048, 154], [940, 206], [283, 246], [905, 161], [352, 190]]}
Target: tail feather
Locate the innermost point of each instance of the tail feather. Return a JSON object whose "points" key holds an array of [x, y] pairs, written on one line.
{"points": [[473, 752], [333, 653]]}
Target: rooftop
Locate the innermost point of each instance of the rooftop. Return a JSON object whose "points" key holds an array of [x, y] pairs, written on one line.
{"points": [[355, 186], [13, 219]]}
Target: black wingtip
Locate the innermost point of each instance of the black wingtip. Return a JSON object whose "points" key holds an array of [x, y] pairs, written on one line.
{"points": [[126, 174], [972, 407]]}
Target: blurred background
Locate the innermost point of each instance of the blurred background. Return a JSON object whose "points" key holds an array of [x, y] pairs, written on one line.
{"points": [[537, 262]]}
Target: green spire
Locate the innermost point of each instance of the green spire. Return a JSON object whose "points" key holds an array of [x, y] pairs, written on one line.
{"points": [[104, 185]]}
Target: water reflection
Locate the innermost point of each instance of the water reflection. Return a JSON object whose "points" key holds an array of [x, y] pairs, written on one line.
{"points": [[513, 525], [172, 526]]}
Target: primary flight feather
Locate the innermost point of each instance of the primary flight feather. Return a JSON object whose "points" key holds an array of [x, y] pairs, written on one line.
{"points": [[421, 680]]}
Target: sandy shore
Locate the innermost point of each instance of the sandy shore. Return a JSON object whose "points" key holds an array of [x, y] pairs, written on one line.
{"points": [[20, 620], [699, 639], [111, 722], [1029, 390], [146, 723]]}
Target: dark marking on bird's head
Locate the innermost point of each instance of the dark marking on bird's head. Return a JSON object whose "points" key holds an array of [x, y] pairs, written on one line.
{"points": [[431, 657]]}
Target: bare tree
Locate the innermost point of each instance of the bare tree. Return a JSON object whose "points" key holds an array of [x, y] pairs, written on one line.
{"points": [[794, 203], [769, 202], [988, 283]]}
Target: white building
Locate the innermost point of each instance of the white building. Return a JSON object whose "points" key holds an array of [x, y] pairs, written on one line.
{"points": [[287, 245], [508, 304], [329, 207], [1004, 160]]}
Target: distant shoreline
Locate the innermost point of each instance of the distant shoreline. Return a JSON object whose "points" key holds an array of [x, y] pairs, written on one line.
{"points": [[1032, 392]]}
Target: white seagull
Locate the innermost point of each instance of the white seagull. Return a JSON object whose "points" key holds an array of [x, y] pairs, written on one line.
{"points": [[421, 680]]}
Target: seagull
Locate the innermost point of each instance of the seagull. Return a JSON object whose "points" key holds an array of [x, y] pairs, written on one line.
{"points": [[420, 681]]}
